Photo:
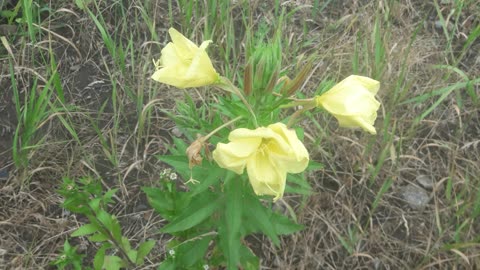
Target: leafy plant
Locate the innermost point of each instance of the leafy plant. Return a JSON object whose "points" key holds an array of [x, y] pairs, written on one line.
{"points": [[69, 257], [218, 206], [86, 197]]}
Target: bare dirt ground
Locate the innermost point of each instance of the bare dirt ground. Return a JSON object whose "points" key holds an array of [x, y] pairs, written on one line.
{"points": [[341, 231]]}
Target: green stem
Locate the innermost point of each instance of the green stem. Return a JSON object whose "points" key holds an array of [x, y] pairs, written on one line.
{"points": [[297, 114], [220, 127], [119, 246]]}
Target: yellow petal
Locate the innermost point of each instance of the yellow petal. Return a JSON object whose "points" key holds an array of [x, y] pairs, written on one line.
{"points": [[352, 122], [265, 177], [294, 160], [244, 133], [201, 71], [234, 155], [368, 83], [168, 75], [182, 44], [169, 56], [183, 64], [352, 102]]}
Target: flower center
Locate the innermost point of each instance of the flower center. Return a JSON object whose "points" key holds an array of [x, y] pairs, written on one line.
{"points": [[264, 147]]}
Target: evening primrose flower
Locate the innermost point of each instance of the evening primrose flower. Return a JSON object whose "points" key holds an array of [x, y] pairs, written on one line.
{"points": [[268, 153], [352, 102], [183, 64]]}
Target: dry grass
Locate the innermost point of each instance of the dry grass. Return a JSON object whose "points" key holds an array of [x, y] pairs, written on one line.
{"points": [[444, 145]]}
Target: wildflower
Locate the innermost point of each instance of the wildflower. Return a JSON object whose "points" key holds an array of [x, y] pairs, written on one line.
{"points": [[183, 64], [171, 252], [268, 153], [173, 176], [166, 171], [352, 102]]}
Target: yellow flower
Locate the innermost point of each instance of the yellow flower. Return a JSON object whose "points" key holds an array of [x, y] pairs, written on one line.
{"points": [[269, 153], [352, 102], [183, 64]]}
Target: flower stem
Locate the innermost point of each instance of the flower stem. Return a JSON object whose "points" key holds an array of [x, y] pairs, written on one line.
{"points": [[206, 137], [297, 114]]}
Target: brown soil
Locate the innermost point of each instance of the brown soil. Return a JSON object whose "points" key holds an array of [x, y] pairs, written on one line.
{"points": [[445, 146]]}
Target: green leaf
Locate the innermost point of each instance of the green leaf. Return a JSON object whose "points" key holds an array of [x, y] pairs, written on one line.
{"points": [[106, 219], [180, 147], [385, 187], [208, 173], [233, 214], [132, 255], [82, 4], [113, 263], [180, 163], [66, 246], [160, 200], [7, 13], [98, 237], [476, 206], [107, 197], [191, 252], [259, 218], [143, 251], [296, 183], [200, 208], [85, 230], [248, 259], [95, 204], [208, 176], [99, 258], [168, 264], [125, 244], [313, 165], [116, 229], [284, 225], [300, 133]]}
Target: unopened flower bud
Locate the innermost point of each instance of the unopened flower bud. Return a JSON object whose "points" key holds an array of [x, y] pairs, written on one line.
{"points": [[298, 81]]}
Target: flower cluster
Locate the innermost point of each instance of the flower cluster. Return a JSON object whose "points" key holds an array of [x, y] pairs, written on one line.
{"points": [[267, 153]]}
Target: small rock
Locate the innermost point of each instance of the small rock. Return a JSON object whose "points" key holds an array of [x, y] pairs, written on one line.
{"points": [[415, 196], [7, 29], [425, 181], [440, 24], [3, 174], [176, 132], [377, 264], [141, 207]]}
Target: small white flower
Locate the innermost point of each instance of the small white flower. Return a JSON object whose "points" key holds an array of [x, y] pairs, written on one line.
{"points": [[166, 172], [173, 176], [171, 252], [205, 267]]}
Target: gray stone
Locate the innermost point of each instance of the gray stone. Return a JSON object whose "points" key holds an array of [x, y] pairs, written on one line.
{"points": [[415, 196], [425, 181]]}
